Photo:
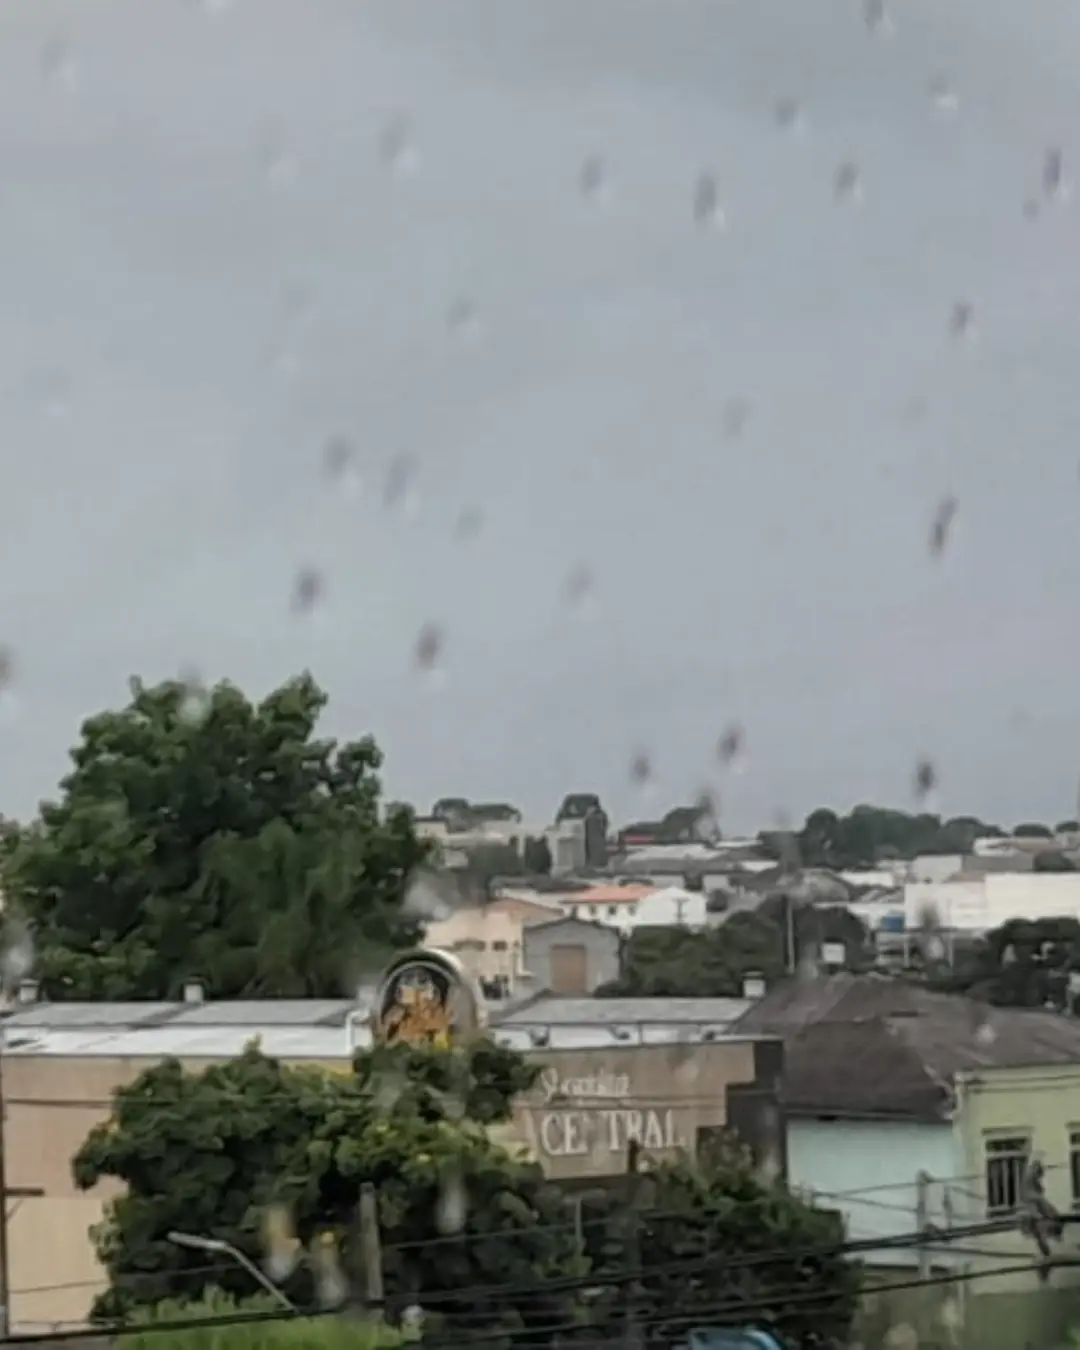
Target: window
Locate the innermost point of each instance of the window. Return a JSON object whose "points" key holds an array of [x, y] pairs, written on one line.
{"points": [[592, 911], [1006, 1162], [1074, 1164], [613, 911], [498, 946]]}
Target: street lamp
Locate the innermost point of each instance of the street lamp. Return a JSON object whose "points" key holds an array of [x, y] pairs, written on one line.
{"points": [[219, 1247]]}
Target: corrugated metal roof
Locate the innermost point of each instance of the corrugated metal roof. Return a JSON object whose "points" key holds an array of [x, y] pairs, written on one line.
{"points": [[552, 1010], [285, 1012], [194, 1042], [93, 1014]]}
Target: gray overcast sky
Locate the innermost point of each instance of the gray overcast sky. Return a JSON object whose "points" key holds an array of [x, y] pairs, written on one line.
{"points": [[209, 269]]}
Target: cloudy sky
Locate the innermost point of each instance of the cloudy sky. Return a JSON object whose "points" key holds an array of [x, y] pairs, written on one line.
{"points": [[695, 447]]}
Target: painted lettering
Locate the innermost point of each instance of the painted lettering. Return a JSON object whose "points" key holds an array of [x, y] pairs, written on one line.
{"points": [[579, 1132]]}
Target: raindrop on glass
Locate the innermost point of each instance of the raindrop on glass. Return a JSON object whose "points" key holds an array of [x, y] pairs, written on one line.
{"points": [[876, 17], [397, 486], [1053, 174], [736, 415], [275, 162], [707, 209], [707, 824], [429, 647], [578, 586], [985, 1034], [397, 147], [925, 779], [469, 523], [941, 525], [943, 95], [962, 319], [592, 180], [281, 1247], [331, 1285], [462, 319], [17, 957], [731, 744], [338, 457], [452, 1206], [788, 115], [58, 63], [194, 698], [308, 589], [640, 768], [848, 184], [7, 668]]}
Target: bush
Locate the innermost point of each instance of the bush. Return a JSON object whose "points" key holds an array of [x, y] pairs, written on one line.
{"points": [[286, 1333]]}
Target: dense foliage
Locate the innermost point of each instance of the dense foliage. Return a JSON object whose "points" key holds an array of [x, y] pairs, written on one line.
{"points": [[218, 1322], [714, 1243], [212, 1153], [872, 833], [677, 962], [1026, 963], [201, 835]]}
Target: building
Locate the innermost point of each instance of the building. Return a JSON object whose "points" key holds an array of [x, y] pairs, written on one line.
{"points": [[885, 1080], [488, 938], [570, 956], [669, 1079], [614, 905]]}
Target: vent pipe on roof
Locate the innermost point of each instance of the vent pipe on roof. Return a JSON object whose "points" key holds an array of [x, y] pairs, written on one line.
{"points": [[194, 992], [28, 991], [753, 986]]}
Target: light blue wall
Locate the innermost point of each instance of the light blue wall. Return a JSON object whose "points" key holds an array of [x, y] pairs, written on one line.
{"points": [[867, 1170]]}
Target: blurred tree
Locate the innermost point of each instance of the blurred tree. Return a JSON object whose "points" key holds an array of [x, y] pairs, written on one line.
{"points": [[1052, 861], [1026, 963], [1031, 829], [869, 834], [537, 856], [217, 1152], [200, 835]]}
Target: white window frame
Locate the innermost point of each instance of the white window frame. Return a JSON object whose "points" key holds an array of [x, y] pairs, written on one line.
{"points": [[1006, 1156]]}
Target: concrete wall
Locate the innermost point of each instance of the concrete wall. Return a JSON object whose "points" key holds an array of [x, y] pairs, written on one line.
{"points": [[601, 951], [881, 1158]]}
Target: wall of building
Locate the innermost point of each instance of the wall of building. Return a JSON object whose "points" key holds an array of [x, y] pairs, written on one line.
{"points": [[601, 950], [579, 1119], [881, 1159], [1041, 1105]]}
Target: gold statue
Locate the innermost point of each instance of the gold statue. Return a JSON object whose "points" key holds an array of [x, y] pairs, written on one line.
{"points": [[418, 1015]]}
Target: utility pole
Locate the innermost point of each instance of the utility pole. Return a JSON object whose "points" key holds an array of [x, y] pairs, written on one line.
{"points": [[789, 932], [922, 1221]]}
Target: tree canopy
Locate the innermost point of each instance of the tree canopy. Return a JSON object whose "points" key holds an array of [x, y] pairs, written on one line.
{"points": [[1026, 963], [869, 834], [217, 1152], [681, 963], [201, 835]]}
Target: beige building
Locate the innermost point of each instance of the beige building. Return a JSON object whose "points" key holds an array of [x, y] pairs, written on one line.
{"points": [[488, 939], [62, 1064]]}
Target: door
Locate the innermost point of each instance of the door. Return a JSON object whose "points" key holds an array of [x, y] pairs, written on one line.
{"points": [[569, 969]]}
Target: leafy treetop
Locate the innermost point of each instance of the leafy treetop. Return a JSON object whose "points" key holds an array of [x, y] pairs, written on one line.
{"points": [[207, 836]]}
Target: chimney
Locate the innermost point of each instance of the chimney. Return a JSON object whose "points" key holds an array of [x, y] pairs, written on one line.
{"points": [[194, 992], [28, 991], [753, 986]]}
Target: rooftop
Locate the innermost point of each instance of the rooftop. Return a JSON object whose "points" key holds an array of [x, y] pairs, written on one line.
{"points": [[871, 1045]]}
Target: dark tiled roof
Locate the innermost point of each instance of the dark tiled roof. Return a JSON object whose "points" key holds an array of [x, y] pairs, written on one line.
{"points": [[870, 1045]]}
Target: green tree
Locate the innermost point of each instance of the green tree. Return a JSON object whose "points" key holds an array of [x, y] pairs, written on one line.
{"points": [[869, 834], [213, 1153], [1067, 827], [710, 1237], [680, 963], [207, 836], [1026, 963], [1031, 829], [537, 856]]}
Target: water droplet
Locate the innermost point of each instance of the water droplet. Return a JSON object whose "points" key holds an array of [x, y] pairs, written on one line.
{"points": [[281, 1247], [397, 487], [339, 461], [962, 319], [462, 319], [452, 1207], [731, 744], [941, 525], [985, 1034], [7, 668], [424, 899], [470, 522], [331, 1285], [877, 18], [640, 768], [397, 146], [848, 184], [579, 585], [275, 162], [707, 209], [707, 805], [789, 116], [1030, 209], [736, 415], [17, 957], [194, 698], [429, 647], [1054, 184], [592, 179], [58, 63], [308, 590], [943, 95], [925, 779]]}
